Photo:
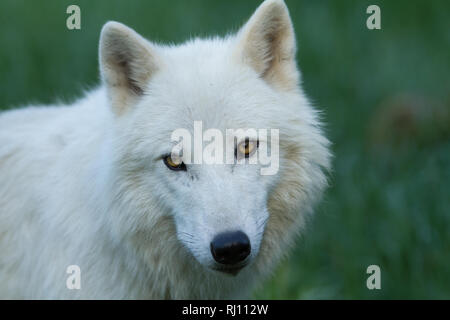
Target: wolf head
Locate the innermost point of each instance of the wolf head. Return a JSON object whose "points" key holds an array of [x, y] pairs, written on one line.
{"points": [[228, 216]]}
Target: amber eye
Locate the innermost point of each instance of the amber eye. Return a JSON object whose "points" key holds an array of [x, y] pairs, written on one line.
{"points": [[174, 164], [246, 148]]}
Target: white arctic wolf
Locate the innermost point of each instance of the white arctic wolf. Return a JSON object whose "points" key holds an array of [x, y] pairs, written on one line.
{"points": [[91, 184]]}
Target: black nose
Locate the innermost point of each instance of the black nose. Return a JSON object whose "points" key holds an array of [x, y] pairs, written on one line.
{"points": [[230, 247]]}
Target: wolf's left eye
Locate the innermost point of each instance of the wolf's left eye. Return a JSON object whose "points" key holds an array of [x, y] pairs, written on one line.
{"points": [[174, 164], [246, 148]]}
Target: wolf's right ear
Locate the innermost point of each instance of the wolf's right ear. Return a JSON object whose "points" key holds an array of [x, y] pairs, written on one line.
{"points": [[267, 43], [127, 61]]}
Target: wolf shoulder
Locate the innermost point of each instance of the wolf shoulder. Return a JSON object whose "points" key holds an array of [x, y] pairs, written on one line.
{"points": [[47, 129]]}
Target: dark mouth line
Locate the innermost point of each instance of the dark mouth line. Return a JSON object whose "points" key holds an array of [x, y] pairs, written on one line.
{"points": [[231, 270]]}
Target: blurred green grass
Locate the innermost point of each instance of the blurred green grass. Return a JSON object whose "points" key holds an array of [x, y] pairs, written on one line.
{"points": [[388, 203]]}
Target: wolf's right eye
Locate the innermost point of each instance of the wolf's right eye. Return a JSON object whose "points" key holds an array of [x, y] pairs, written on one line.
{"points": [[172, 164], [246, 149]]}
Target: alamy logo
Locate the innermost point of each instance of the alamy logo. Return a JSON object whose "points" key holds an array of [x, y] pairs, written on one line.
{"points": [[374, 20], [374, 280], [74, 20], [73, 281], [257, 146]]}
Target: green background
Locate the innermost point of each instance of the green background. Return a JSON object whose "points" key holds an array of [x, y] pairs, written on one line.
{"points": [[385, 95]]}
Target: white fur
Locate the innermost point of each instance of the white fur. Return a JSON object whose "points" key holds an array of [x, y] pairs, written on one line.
{"points": [[85, 185]]}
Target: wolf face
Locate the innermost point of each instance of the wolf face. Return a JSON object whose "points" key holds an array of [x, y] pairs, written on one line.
{"points": [[227, 215]]}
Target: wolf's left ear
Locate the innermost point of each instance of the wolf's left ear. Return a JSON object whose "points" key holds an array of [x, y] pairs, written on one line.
{"points": [[267, 43], [127, 61]]}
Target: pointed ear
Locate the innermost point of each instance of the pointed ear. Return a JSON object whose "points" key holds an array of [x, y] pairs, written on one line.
{"points": [[267, 43], [127, 61]]}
